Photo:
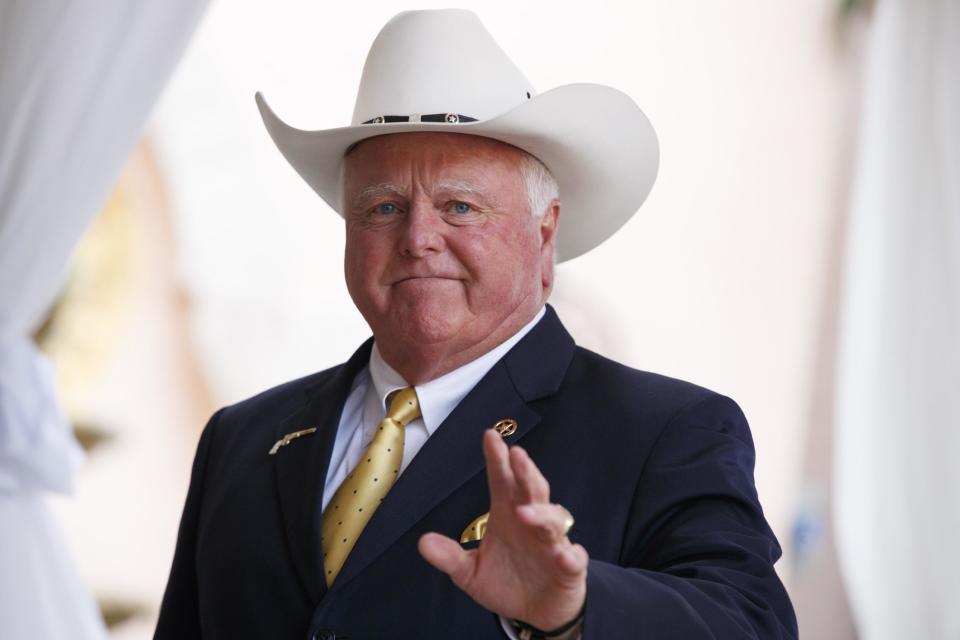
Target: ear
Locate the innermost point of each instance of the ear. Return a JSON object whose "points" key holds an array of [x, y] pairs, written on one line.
{"points": [[548, 235]]}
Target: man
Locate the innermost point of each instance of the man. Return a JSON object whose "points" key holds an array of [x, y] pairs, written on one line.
{"points": [[374, 500]]}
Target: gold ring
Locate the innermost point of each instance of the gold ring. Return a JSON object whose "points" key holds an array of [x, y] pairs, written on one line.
{"points": [[567, 520]]}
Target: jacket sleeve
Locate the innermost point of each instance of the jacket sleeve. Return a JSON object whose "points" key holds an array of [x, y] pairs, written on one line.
{"points": [[179, 612], [698, 554]]}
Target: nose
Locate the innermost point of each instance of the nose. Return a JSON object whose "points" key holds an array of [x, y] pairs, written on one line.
{"points": [[422, 233]]}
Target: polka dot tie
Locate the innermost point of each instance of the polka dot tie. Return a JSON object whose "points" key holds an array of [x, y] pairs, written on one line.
{"points": [[352, 506]]}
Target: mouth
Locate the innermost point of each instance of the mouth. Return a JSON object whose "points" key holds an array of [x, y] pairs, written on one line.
{"points": [[423, 278]]}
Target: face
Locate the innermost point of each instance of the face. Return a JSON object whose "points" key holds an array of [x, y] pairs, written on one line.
{"points": [[442, 251]]}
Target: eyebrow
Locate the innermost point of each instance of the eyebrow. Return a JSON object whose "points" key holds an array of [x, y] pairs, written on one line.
{"points": [[462, 187], [374, 191]]}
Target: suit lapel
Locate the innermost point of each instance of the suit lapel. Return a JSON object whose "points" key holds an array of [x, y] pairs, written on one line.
{"points": [[301, 468], [453, 455]]}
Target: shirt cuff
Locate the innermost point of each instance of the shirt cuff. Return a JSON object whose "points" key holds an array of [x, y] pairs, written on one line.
{"points": [[508, 628]]}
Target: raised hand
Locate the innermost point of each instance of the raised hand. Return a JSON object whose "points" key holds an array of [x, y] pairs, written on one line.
{"points": [[525, 568]]}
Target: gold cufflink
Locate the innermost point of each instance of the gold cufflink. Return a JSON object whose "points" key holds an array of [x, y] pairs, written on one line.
{"points": [[285, 440], [475, 529], [506, 427]]}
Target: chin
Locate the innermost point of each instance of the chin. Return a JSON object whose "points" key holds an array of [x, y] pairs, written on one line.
{"points": [[425, 316], [426, 325]]}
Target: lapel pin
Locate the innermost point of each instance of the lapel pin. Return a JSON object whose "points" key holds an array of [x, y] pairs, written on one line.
{"points": [[285, 440], [506, 427]]}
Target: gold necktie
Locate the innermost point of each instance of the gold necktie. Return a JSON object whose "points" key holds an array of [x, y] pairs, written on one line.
{"points": [[363, 490]]}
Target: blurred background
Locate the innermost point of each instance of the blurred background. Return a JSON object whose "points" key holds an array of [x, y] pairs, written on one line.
{"points": [[798, 253]]}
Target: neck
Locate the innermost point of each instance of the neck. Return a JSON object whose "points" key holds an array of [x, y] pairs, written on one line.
{"points": [[421, 363]]}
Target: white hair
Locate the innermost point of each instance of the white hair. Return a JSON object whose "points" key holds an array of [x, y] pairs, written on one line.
{"points": [[542, 188]]}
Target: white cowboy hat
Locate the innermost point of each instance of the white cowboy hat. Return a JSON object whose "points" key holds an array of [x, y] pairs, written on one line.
{"points": [[443, 71]]}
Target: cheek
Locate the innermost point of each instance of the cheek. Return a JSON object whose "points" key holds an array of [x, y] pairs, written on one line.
{"points": [[506, 266], [362, 263]]}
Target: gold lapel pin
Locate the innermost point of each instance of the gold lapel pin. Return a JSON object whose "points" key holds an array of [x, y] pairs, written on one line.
{"points": [[506, 427], [475, 529], [285, 440]]}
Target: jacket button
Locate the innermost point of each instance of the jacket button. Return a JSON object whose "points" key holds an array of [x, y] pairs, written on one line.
{"points": [[324, 634]]}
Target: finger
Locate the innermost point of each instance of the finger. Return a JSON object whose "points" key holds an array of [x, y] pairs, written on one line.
{"points": [[500, 479], [548, 520], [531, 485], [573, 560], [446, 555]]}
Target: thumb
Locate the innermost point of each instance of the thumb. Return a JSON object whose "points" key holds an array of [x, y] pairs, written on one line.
{"points": [[448, 556]]}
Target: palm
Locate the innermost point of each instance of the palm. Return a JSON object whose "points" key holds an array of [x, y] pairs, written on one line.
{"points": [[525, 567]]}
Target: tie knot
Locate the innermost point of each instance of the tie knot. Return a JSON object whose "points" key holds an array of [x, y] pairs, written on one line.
{"points": [[404, 406]]}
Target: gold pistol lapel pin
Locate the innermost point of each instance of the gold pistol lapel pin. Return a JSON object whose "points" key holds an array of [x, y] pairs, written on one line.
{"points": [[287, 439]]}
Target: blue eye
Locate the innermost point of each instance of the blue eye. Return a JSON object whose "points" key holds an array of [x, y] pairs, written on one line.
{"points": [[387, 208], [461, 207]]}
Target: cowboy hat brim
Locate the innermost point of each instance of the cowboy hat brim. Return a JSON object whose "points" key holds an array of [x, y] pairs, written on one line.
{"points": [[594, 139]]}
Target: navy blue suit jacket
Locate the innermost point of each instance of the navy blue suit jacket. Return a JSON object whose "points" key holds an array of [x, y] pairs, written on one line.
{"points": [[658, 474]]}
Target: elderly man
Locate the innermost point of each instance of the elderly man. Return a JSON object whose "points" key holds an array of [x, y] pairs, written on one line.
{"points": [[415, 491]]}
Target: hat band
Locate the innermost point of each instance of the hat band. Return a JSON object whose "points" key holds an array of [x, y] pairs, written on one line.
{"points": [[449, 118]]}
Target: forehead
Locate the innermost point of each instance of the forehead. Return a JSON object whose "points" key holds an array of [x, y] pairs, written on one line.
{"points": [[435, 153]]}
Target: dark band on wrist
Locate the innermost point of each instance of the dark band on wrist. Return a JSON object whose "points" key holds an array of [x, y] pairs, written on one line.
{"points": [[532, 632]]}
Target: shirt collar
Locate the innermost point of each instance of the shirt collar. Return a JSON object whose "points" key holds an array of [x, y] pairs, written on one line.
{"points": [[440, 396]]}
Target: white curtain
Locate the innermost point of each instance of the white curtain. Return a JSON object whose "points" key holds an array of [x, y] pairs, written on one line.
{"points": [[897, 470], [77, 81]]}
